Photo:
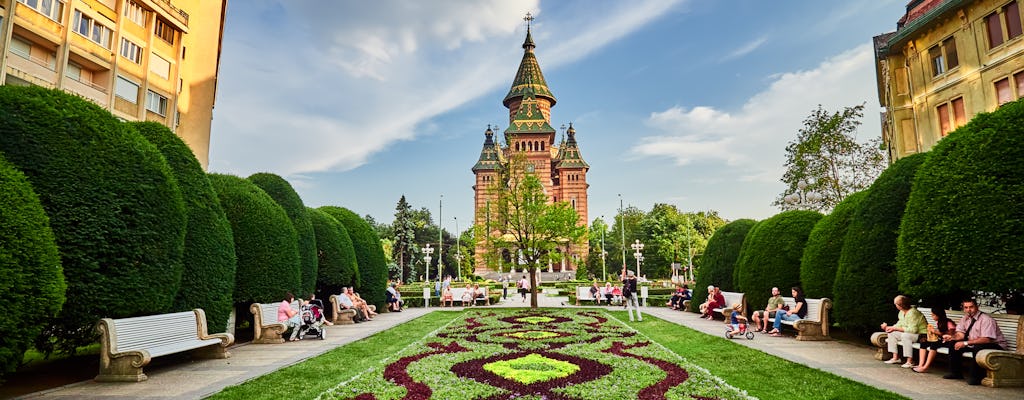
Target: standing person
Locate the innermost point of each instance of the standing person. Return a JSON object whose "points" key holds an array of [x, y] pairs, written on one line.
{"points": [[975, 332], [524, 287], [775, 304], [943, 326], [629, 294], [798, 312], [288, 316], [504, 286], [910, 324]]}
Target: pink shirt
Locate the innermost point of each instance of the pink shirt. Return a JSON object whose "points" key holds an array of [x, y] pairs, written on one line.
{"points": [[985, 327], [282, 310]]}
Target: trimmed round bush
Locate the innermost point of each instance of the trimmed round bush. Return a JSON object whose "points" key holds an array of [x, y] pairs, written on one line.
{"points": [[963, 222], [115, 209], [719, 259], [866, 279], [31, 280], [373, 272], [337, 260], [283, 193], [208, 275], [265, 241], [821, 255], [770, 255]]}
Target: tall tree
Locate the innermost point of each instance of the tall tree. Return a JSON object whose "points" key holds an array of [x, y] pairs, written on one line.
{"points": [[404, 229], [828, 157]]}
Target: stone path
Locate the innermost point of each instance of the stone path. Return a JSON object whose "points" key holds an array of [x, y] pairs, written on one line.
{"points": [[197, 379]]}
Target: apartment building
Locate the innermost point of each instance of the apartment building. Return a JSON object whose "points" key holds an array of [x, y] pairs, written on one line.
{"points": [[947, 61], [144, 60]]}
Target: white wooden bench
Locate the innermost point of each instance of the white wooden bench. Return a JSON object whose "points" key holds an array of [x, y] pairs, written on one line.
{"points": [[342, 316], [128, 344], [266, 328], [815, 325], [730, 299], [583, 294], [458, 292], [1004, 368]]}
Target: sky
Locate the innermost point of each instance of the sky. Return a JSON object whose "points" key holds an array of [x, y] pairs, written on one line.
{"points": [[684, 102]]}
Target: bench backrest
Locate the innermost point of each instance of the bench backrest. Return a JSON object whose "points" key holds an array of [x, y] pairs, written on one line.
{"points": [[1010, 326], [268, 311], [154, 330], [583, 292], [814, 307], [733, 298]]}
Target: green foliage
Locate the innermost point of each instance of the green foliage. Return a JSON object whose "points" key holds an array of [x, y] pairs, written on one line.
{"points": [[208, 277], [963, 222], [284, 195], [31, 281], [770, 255], [404, 228], [265, 241], [114, 207], [372, 270], [821, 256], [719, 261], [337, 257], [866, 279]]}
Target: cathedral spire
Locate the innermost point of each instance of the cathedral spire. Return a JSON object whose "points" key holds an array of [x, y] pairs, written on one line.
{"points": [[491, 155], [529, 77], [569, 154]]}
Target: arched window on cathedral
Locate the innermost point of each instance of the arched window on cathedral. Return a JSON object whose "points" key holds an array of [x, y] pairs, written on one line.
{"points": [[530, 145], [573, 201], [541, 146]]}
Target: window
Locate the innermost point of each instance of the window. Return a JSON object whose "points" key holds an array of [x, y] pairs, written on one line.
{"points": [[1003, 92], [159, 66], [1011, 16], [156, 103], [164, 31], [131, 51], [21, 47], [943, 57], [50, 8], [127, 89], [943, 112], [951, 115], [959, 116], [86, 26], [135, 13], [73, 71]]}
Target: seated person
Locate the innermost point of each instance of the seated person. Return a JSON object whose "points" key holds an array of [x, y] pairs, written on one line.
{"points": [[736, 320], [345, 303], [608, 295], [976, 331], [479, 293], [447, 297], [617, 294], [595, 293], [467, 296], [775, 304], [910, 324], [943, 326], [289, 316], [796, 313], [393, 298], [360, 304], [681, 294]]}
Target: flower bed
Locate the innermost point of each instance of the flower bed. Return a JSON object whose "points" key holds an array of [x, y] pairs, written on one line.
{"points": [[535, 354]]}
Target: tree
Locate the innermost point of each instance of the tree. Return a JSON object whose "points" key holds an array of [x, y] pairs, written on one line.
{"points": [[404, 229], [373, 274], [532, 227], [284, 195], [820, 261], [770, 255], [720, 256], [828, 157], [335, 255]]}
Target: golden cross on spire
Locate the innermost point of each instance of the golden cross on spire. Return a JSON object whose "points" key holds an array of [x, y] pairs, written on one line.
{"points": [[528, 18]]}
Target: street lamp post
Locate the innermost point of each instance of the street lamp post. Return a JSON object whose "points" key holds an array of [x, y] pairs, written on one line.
{"points": [[458, 249], [427, 251], [440, 242], [638, 248], [604, 268], [803, 199], [622, 227]]}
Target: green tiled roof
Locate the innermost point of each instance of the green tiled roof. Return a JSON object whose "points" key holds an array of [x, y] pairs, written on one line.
{"points": [[529, 78], [529, 118], [490, 156], [569, 154]]}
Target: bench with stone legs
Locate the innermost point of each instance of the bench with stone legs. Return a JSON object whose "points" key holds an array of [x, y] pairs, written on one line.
{"points": [[458, 292], [1004, 368], [266, 328], [815, 325], [583, 294], [342, 316], [730, 299], [128, 344]]}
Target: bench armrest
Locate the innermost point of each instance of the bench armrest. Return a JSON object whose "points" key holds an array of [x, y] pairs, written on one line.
{"points": [[226, 339], [1004, 368]]}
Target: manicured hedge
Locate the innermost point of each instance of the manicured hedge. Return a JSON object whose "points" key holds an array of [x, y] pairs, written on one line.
{"points": [[114, 207], [337, 257], [719, 260], [821, 256], [866, 279], [283, 193], [208, 277], [770, 255], [964, 220], [265, 241], [31, 280], [373, 273]]}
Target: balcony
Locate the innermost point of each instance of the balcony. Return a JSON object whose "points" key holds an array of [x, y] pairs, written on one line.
{"points": [[95, 93], [164, 7], [33, 70]]}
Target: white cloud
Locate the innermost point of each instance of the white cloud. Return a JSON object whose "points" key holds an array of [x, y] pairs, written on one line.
{"points": [[747, 48], [750, 142], [347, 79]]}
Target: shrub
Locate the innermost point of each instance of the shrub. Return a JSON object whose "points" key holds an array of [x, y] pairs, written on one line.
{"points": [[337, 257], [283, 193], [821, 255], [114, 207], [265, 241], [770, 255], [866, 279], [719, 259], [208, 277], [31, 281], [373, 273], [963, 223]]}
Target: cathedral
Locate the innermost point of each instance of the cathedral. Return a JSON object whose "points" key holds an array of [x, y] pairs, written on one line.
{"points": [[560, 167]]}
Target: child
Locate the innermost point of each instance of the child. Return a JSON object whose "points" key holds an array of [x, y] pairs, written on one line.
{"points": [[737, 321]]}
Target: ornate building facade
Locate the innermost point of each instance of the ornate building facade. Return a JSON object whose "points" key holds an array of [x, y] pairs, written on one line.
{"points": [[560, 167]]}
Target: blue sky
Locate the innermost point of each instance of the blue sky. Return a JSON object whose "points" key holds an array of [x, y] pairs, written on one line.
{"points": [[689, 103]]}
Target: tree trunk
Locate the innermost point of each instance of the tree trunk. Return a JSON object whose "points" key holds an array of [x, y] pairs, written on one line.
{"points": [[533, 286]]}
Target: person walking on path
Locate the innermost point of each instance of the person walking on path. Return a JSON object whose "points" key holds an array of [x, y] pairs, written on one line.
{"points": [[629, 294], [504, 287], [524, 287]]}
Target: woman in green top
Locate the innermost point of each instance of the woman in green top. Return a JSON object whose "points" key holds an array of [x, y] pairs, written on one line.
{"points": [[909, 327]]}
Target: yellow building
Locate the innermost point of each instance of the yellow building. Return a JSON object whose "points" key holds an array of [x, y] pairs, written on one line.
{"points": [[947, 61], [144, 60]]}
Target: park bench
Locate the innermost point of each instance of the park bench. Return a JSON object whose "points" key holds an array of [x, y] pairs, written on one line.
{"points": [[730, 299], [128, 344], [1004, 368], [583, 294], [815, 325], [458, 292], [266, 328], [342, 316]]}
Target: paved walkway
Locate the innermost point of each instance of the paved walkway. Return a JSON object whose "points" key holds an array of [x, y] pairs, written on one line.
{"points": [[197, 379]]}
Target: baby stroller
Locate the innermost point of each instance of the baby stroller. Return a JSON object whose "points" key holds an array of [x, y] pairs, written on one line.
{"points": [[743, 331], [312, 316]]}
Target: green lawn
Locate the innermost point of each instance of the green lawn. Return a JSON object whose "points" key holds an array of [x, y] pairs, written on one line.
{"points": [[761, 375]]}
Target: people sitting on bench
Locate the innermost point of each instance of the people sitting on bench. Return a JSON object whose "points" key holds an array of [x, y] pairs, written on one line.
{"points": [[479, 294], [393, 298], [608, 295], [447, 297], [595, 293], [467, 296], [909, 326], [715, 300], [288, 316], [360, 304], [795, 313], [682, 294], [775, 304], [930, 347], [976, 331], [345, 303]]}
